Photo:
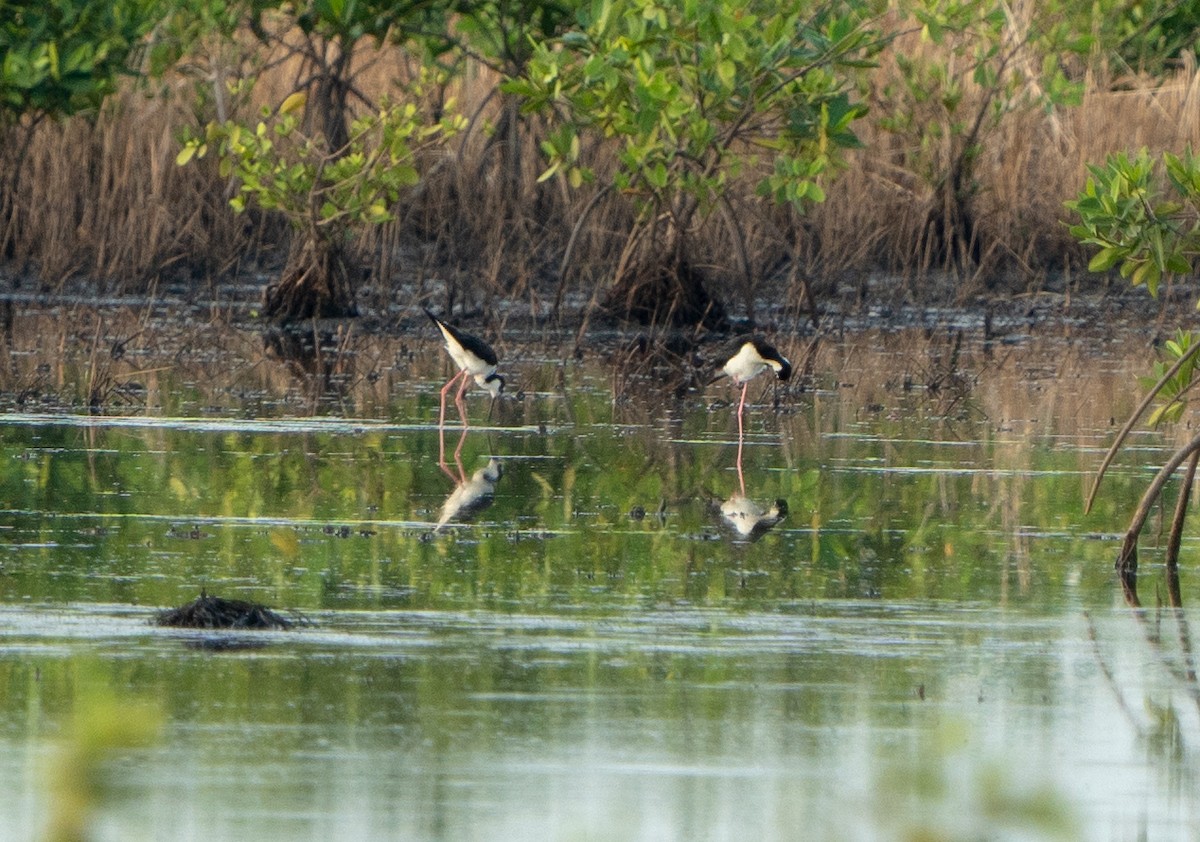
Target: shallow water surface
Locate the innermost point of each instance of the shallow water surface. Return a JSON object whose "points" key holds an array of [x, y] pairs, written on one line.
{"points": [[591, 641]]}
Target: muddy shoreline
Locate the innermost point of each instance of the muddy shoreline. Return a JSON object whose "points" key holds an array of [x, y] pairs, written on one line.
{"points": [[78, 352], [874, 304]]}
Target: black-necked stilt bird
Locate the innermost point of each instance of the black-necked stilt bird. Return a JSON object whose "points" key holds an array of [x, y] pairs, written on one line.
{"points": [[742, 361], [474, 358], [748, 357]]}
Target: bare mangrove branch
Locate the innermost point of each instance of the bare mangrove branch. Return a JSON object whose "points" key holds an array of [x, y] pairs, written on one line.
{"points": [[1127, 560], [1181, 505], [1133, 419], [565, 264]]}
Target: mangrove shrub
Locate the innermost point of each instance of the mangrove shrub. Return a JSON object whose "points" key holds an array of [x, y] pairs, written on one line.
{"points": [[323, 192], [689, 97], [1145, 221], [58, 58]]}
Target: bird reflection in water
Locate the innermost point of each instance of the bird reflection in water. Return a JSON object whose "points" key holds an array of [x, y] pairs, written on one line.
{"points": [[748, 520], [471, 496]]}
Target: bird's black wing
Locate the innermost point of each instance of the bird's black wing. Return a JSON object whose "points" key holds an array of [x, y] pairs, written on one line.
{"points": [[473, 344]]}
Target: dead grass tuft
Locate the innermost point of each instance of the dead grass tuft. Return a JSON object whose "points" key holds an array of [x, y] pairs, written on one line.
{"points": [[215, 612]]}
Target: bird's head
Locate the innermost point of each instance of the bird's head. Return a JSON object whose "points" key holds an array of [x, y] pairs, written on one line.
{"points": [[493, 383], [784, 371], [492, 471]]}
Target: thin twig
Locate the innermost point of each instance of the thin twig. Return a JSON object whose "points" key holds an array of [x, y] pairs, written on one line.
{"points": [[1133, 419], [1127, 560]]}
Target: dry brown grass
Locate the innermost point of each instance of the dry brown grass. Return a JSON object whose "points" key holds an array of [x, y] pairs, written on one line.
{"points": [[1031, 163], [104, 200]]}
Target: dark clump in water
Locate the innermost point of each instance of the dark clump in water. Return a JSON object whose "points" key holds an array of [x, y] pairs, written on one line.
{"points": [[214, 612]]}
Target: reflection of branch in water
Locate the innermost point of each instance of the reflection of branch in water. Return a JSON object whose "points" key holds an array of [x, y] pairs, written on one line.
{"points": [[1185, 642], [1128, 580], [1110, 679], [319, 357], [471, 496], [1185, 674], [748, 519], [1160, 729]]}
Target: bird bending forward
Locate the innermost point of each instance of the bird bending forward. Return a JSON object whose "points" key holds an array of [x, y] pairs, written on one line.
{"points": [[474, 358], [752, 356]]}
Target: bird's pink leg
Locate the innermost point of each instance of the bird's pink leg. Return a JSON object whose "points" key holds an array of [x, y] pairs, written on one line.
{"points": [[442, 428], [445, 389], [741, 437], [462, 475], [442, 456], [458, 401]]}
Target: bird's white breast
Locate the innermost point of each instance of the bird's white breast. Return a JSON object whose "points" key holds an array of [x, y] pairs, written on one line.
{"points": [[467, 361], [745, 364]]}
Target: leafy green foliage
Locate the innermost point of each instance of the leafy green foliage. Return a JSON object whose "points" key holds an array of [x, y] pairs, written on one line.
{"points": [[1148, 230], [1148, 35], [191, 28], [503, 34], [696, 93], [1125, 211], [280, 168], [60, 57], [350, 20], [949, 99], [1182, 347]]}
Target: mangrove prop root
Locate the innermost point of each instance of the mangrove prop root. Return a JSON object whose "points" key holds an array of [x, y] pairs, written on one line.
{"points": [[1181, 505], [1127, 560], [1133, 419]]}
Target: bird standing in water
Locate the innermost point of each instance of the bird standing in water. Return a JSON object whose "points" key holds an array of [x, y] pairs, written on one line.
{"points": [[475, 359], [741, 362]]}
